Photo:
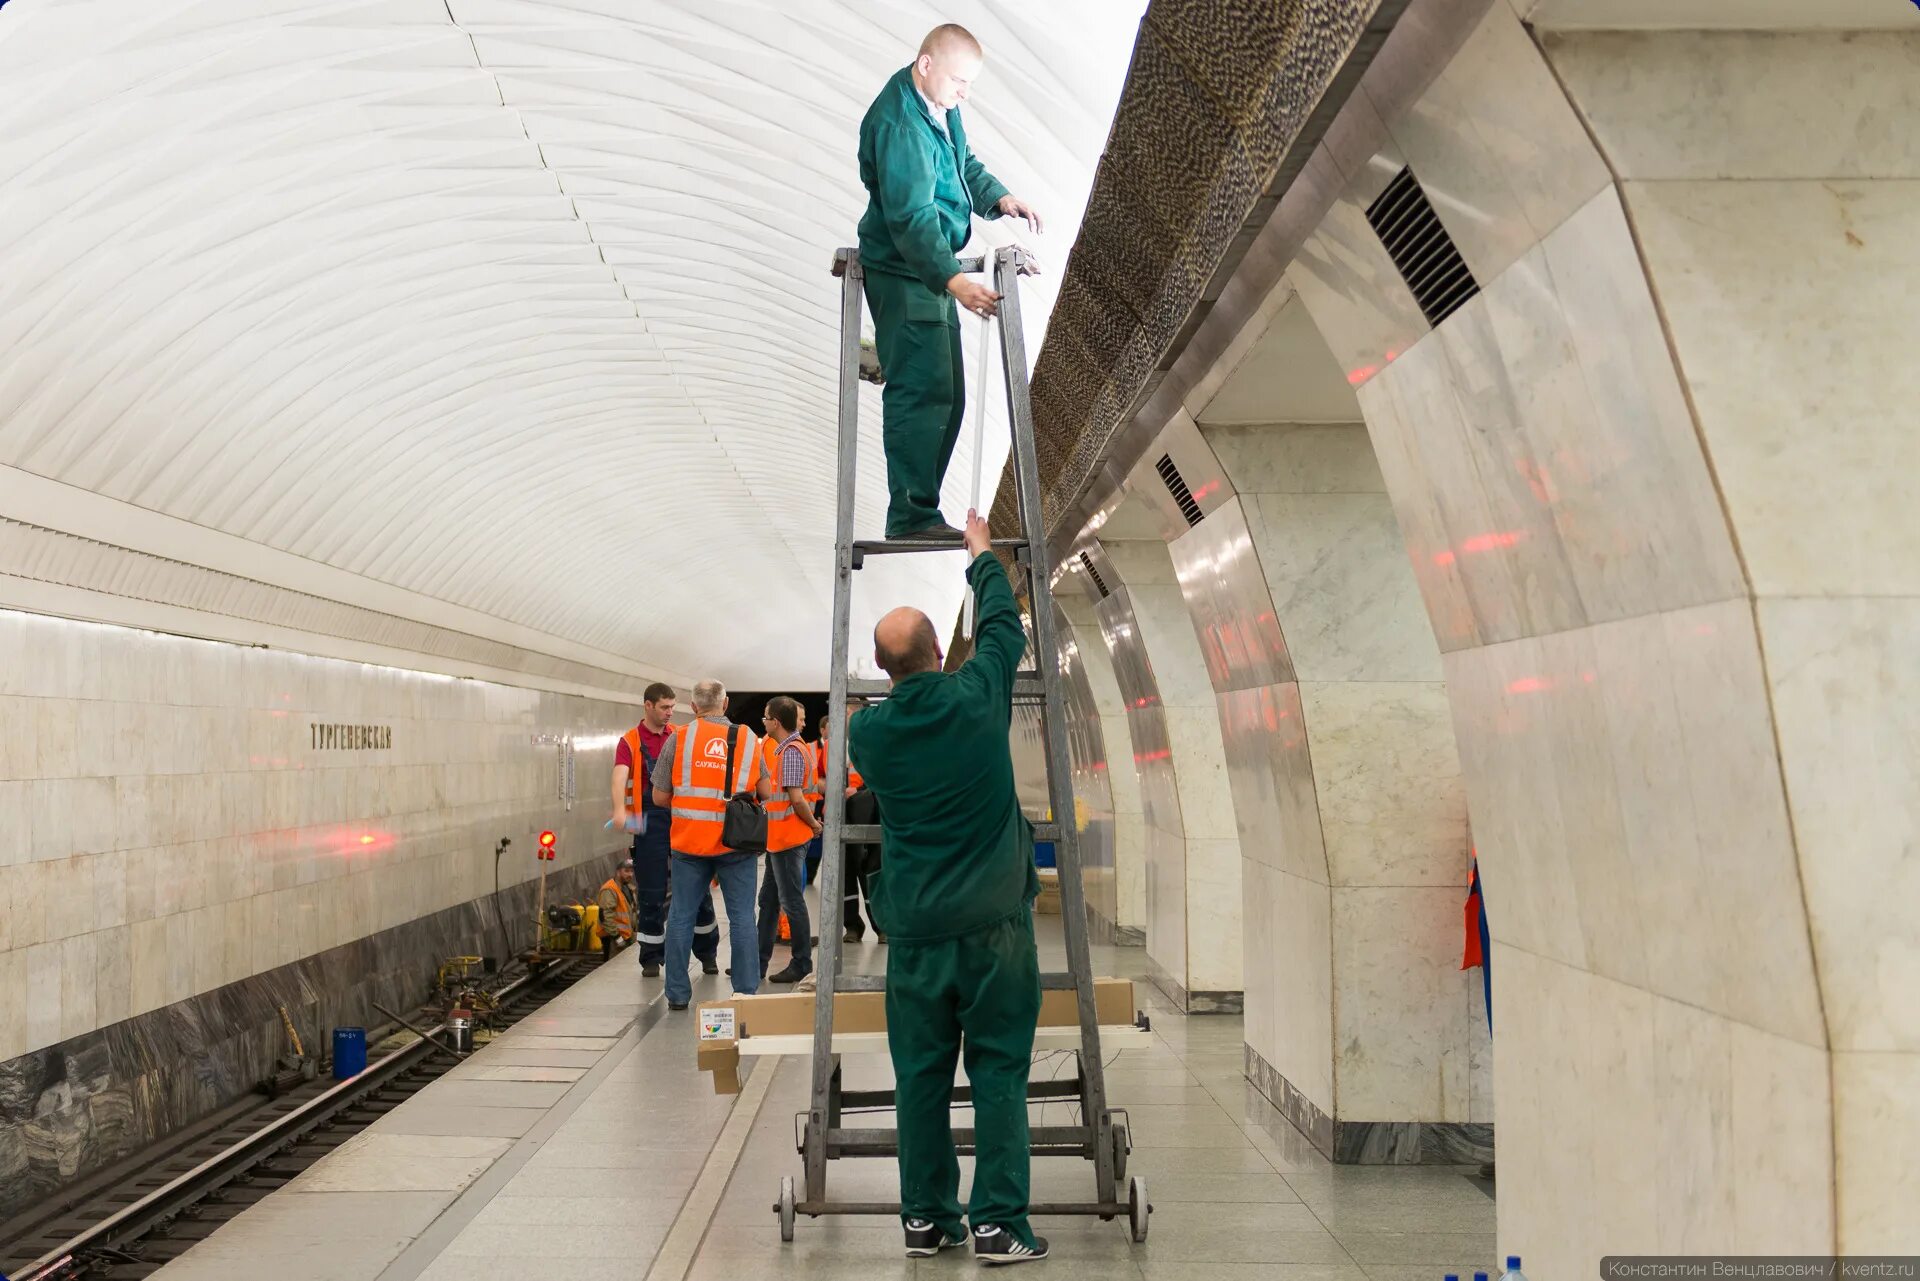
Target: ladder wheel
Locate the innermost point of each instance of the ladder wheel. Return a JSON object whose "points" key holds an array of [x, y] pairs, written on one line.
{"points": [[1122, 1144], [784, 1208], [1138, 1208]]}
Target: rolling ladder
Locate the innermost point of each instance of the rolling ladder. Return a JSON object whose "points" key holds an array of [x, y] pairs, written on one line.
{"points": [[1100, 1135]]}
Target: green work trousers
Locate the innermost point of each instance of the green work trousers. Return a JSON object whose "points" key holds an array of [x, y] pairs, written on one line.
{"points": [[917, 334], [980, 991]]}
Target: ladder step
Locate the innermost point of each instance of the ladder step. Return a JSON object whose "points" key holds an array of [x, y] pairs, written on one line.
{"points": [[864, 547], [869, 833], [1026, 686], [878, 983]]}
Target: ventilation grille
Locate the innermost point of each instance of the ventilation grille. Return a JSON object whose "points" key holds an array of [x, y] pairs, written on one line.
{"points": [[1178, 488], [1421, 248], [1086, 563]]}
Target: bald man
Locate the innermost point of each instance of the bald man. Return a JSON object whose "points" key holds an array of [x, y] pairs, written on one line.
{"points": [[924, 184], [955, 897]]}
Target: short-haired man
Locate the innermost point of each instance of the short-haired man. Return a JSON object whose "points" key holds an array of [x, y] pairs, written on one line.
{"points": [[790, 826], [633, 760], [706, 761], [924, 185], [957, 900]]}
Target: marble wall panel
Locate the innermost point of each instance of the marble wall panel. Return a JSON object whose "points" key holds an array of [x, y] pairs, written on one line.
{"points": [[1808, 419], [1294, 981], [1628, 811], [1694, 1130], [1296, 458], [1271, 775], [1876, 1114], [1362, 306], [1845, 679], [1228, 600], [1387, 778], [1337, 570], [1498, 149], [1748, 105], [1400, 1017], [172, 828]]}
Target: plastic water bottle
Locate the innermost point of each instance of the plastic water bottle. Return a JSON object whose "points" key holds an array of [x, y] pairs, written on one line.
{"points": [[1513, 1272]]}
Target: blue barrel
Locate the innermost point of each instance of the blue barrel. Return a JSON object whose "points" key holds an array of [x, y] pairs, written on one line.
{"points": [[349, 1052], [1043, 853]]}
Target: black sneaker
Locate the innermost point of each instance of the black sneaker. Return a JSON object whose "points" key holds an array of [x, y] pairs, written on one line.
{"points": [[676, 1005], [650, 969], [995, 1246], [853, 936], [709, 967], [938, 532], [792, 974], [924, 1240]]}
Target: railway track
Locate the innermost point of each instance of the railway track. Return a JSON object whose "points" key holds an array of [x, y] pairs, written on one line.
{"points": [[132, 1220]]}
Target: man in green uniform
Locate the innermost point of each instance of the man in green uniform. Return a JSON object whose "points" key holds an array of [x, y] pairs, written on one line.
{"points": [[924, 185], [955, 897]]}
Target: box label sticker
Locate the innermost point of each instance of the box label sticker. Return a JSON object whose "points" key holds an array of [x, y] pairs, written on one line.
{"points": [[717, 1024]]}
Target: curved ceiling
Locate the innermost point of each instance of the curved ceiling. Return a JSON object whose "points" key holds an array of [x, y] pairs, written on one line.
{"points": [[520, 306]]}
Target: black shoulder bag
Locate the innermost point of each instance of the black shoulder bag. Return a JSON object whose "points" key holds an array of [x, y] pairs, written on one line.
{"points": [[743, 829]]}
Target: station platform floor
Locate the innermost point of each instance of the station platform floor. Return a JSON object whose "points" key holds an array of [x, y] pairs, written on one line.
{"points": [[584, 1143]]}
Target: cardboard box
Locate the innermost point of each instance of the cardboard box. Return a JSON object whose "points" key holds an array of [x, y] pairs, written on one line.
{"points": [[721, 1024], [1048, 903]]}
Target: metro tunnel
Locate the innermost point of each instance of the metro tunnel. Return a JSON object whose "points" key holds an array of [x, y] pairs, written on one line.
{"points": [[1451, 598]]}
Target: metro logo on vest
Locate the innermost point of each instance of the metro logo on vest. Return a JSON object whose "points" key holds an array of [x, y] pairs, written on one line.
{"points": [[701, 786]]}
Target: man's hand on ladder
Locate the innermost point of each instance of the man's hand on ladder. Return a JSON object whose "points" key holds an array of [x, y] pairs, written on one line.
{"points": [[973, 295], [976, 536]]}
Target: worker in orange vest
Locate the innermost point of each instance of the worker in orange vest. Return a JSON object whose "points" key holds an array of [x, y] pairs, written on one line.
{"points": [[790, 826], [707, 761], [616, 921], [634, 812]]}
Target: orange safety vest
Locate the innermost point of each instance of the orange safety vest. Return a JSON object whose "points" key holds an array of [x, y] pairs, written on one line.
{"points": [[635, 780], [785, 829], [699, 783], [617, 920], [818, 791]]}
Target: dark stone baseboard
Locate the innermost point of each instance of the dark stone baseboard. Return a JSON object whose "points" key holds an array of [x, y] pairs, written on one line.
{"points": [[1370, 1142], [73, 1108], [1195, 1002], [1101, 930]]}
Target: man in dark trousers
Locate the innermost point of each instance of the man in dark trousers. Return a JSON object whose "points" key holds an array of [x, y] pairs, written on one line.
{"points": [[924, 184], [633, 804], [955, 897]]}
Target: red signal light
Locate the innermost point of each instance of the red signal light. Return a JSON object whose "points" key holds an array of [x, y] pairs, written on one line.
{"points": [[546, 845]]}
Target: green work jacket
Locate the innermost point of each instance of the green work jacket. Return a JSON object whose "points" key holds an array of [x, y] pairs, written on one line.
{"points": [[957, 852], [923, 187]]}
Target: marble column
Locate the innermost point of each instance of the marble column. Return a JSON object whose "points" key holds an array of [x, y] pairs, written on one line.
{"points": [[1192, 843], [1653, 480], [1117, 892]]}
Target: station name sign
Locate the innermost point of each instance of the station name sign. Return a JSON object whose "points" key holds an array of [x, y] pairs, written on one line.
{"points": [[350, 738]]}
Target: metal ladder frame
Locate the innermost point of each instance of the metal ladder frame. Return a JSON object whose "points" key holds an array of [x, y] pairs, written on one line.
{"points": [[1101, 1134]]}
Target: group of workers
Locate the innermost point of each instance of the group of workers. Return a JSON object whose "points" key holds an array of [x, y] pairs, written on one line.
{"points": [[954, 892], [786, 774]]}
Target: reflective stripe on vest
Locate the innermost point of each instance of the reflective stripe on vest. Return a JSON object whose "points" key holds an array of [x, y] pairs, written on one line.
{"points": [[699, 803], [785, 829]]}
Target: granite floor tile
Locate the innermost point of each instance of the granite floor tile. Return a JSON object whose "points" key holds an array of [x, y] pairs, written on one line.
{"points": [[419, 1116], [1425, 1248], [380, 1162]]}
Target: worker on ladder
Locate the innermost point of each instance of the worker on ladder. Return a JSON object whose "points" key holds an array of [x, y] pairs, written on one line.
{"points": [[924, 184], [955, 897]]}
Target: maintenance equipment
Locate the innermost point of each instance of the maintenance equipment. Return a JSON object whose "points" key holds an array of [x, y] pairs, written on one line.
{"points": [[1100, 1135]]}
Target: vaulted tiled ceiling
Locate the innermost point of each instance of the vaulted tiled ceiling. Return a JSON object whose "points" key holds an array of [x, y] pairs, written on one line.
{"points": [[520, 306]]}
